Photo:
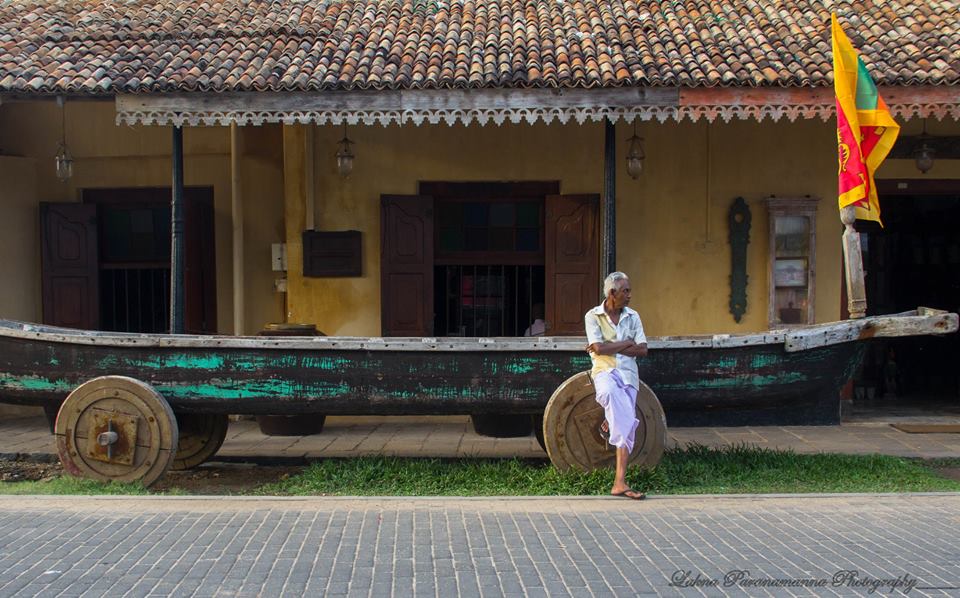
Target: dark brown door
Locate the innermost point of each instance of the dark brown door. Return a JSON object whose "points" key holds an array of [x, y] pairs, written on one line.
{"points": [[572, 261], [200, 277], [406, 265], [69, 266]]}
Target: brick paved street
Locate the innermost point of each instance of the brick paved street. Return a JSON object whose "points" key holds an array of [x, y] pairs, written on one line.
{"points": [[478, 547]]}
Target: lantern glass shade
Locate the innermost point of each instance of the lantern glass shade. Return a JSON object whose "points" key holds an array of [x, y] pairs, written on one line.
{"points": [[64, 162], [635, 156], [345, 157], [923, 157]]}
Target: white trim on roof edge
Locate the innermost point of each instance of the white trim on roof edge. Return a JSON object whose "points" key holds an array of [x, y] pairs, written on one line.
{"points": [[499, 106]]}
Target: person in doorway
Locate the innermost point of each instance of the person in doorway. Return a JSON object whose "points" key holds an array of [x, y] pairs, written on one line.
{"points": [[539, 326], [615, 336]]}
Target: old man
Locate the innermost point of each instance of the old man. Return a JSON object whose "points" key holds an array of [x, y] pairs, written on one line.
{"points": [[615, 336]]}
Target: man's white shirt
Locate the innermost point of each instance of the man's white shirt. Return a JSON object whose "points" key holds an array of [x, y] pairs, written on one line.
{"points": [[629, 328]]}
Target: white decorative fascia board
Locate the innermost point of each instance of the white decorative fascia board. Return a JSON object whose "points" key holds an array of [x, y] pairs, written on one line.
{"points": [[499, 106]]}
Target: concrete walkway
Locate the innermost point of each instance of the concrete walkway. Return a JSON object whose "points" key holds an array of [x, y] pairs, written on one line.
{"points": [[874, 545], [454, 437]]}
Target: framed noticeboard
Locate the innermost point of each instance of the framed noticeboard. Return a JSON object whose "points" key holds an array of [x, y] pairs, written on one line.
{"points": [[332, 253], [792, 260]]}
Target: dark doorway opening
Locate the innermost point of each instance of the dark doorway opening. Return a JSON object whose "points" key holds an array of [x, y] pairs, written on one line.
{"points": [[134, 267], [106, 261], [914, 260], [488, 259], [488, 300], [133, 228]]}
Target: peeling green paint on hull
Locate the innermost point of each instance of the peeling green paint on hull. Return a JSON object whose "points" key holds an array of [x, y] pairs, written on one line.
{"points": [[691, 383]]}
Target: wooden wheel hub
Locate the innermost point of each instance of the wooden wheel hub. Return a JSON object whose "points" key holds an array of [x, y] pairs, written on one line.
{"points": [[116, 428], [571, 428]]}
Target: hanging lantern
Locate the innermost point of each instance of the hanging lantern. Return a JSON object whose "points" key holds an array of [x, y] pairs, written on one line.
{"points": [[635, 155], [924, 153], [923, 157], [64, 162], [64, 159], [345, 155]]}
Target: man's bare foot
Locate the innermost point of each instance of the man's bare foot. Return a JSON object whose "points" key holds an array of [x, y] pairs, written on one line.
{"points": [[628, 492]]}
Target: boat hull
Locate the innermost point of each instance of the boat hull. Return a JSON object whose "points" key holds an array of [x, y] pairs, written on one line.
{"points": [[735, 386]]}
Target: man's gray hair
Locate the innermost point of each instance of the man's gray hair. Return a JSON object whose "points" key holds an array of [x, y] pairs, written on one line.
{"points": [[610, 282]]}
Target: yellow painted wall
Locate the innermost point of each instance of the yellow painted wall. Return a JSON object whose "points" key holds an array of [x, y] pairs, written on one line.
{"points": [[671, 222], [19, 244], [263, 201], [680, 275], [107, 155], [393, 160]]}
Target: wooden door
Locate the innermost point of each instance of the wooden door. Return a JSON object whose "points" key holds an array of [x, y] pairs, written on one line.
{"points": [[406, 265], [69, 265], [572, 261], [200, 277]]}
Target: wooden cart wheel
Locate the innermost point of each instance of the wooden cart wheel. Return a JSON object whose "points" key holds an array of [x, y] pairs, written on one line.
{"points": [[571, 428], [116, 428], [201, 436], [537, 422]]}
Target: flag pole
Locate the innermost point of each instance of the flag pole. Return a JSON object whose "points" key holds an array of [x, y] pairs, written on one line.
{"points": [[853, 265]]}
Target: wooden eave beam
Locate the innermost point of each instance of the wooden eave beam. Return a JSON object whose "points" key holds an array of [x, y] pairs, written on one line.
{"points": [[402, 100], [516, 105]]}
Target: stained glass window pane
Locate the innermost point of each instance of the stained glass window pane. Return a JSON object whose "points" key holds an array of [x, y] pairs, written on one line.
{"points": [[502, 214], [528, 214]]}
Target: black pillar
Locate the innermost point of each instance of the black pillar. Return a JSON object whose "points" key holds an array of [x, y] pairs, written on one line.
{"points": [[176, 236], [609, 198]]}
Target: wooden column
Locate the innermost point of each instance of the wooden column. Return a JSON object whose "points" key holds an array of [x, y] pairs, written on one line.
{"points": [[236, 209], [853, 264], [177, 237], [294, 191], [609, 198], [310, 189]]}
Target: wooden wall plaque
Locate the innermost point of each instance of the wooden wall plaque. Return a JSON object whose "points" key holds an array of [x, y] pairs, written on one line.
{"points": [[331, 253]]}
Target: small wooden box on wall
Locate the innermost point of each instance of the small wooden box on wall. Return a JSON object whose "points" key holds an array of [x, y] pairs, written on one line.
{"points": [[331, 253]]}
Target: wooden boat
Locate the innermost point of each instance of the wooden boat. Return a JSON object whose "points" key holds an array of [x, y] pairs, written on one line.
{"points": [[129, 405]]}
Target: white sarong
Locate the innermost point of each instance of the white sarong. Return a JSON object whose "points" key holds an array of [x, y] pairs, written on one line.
{"points": [[619, 402]]}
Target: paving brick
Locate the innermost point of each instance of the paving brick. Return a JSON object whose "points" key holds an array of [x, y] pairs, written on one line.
{"points": [[591, 547]]}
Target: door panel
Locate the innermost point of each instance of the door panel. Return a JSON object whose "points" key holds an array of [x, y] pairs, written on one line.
{"points": [[406, 265], [200, 277], [572, 261], [69, 267]]}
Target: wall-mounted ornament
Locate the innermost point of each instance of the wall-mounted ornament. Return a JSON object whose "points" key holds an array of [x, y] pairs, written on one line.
{"points": [[332, 253], [739, 220]]}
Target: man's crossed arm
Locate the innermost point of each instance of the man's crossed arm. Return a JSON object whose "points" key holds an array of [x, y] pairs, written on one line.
{"points": [[628, 348]]}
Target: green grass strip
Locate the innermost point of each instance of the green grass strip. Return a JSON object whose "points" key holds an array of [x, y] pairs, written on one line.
{"points": [[694, 469], [691, 470], [75, 486]]}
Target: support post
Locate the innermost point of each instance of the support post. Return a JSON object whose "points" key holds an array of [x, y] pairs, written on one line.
{"points": [[853, 265], [308, 177], [295, 193], [609, 198], [176, 236], [236, 210]]}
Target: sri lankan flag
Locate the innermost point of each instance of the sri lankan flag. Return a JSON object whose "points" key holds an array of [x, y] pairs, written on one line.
{"points": [[865, 129]]}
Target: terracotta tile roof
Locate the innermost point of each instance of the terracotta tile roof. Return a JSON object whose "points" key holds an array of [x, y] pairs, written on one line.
{"points": [[120, 46]]}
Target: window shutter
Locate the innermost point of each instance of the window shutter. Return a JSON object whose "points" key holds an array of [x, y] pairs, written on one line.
{"points": [[406, 265], [572, 261], [69, 265]]}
